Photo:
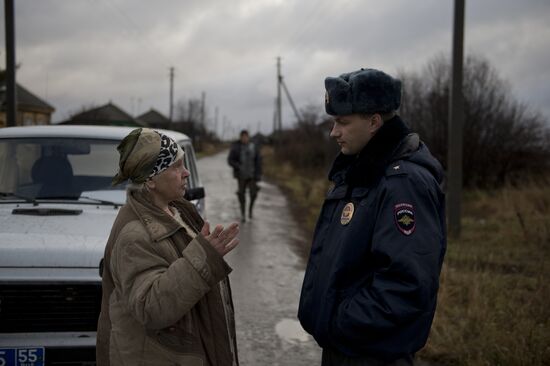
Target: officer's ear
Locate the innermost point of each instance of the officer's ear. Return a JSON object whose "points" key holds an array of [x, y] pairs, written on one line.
{"points": [[375, 121]]}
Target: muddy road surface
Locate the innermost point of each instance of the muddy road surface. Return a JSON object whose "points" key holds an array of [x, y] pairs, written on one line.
{"points": [[267, 271]]}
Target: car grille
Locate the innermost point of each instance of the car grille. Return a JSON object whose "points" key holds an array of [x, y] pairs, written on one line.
{"points": [[49, 308]]}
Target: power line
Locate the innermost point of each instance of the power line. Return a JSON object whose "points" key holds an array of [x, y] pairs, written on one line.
{"points": [[298, 39], [291, 101], [310, 19], [135, 30], [171, 105]]}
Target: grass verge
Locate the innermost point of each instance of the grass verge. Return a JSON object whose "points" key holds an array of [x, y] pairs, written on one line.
{"points": [[209, 149]]}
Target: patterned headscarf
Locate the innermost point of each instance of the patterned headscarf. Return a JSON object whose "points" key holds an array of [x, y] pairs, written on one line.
{"points": [[145, 153]]}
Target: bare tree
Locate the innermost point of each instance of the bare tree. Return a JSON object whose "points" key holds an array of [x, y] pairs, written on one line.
{"points": [[308, 146], [189, 121], [503, 139]]}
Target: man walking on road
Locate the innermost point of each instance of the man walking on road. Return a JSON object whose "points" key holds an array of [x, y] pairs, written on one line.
{"points": [[370, 287], [245, 160]]}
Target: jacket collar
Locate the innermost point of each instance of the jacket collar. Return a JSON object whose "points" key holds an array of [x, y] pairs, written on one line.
{"points": [[157, 223], [387, 145]]}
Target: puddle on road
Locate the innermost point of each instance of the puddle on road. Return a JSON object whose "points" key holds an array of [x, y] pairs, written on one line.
{"points": [[291, 331]]}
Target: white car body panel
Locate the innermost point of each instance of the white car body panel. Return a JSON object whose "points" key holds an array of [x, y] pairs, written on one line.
{"points": [[61, 250], [72, 241]]}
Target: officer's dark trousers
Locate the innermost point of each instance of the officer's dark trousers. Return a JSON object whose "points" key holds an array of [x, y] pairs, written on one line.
{"points": [[334, 358]]}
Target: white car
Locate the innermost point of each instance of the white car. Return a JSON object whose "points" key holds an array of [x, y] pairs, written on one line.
{"points": [[57, 206]]}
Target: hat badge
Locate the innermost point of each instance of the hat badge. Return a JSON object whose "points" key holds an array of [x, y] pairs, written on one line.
{"points": [[347, 213]]}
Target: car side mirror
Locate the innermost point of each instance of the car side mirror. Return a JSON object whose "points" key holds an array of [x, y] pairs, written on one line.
{"points": [[194, 194], [101, 265]]}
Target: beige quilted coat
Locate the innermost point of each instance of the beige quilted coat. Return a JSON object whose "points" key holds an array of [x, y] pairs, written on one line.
{"points": [[166, 296]]}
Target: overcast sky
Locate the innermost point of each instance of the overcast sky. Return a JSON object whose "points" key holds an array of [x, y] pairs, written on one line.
{"points": [[76, 53]]}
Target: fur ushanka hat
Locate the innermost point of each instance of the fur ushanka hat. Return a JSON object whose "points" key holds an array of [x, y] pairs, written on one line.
{"points": [[363, 91]]}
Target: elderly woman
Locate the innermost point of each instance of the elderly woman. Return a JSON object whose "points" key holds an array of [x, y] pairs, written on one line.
{"points": [[166, 297]]}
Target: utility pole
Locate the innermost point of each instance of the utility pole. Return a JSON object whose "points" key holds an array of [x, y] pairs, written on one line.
{"points": [[133, 106], [203, 98], [456, 122], [216, 114], [171, 111], [277, 117], [278, 122], [11, 90], [225, 127], [275, 114]]}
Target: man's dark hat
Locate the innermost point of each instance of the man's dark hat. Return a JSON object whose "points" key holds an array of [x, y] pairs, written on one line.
{"points": [[364, 91]]}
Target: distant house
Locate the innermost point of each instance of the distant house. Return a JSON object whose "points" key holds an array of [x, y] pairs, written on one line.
{"points": [[31, 110], [107, 115], [155, 119]]}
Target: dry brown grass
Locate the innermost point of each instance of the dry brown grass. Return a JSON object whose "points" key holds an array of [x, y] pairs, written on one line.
{"points": [[306, 191], [209, 149], [494, 298], [493, 306]]}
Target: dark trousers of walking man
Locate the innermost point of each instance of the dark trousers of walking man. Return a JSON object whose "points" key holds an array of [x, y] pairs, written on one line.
{"points": [[241, 193]]}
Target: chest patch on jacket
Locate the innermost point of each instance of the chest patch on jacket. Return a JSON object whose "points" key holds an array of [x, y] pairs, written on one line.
{"points": [[347, 213], [404, 218]]}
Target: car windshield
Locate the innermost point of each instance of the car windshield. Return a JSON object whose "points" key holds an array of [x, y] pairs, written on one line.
{"points": [[59, 168]]}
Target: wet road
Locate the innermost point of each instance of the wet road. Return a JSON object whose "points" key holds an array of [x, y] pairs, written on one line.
{"points": [[267, 273]]}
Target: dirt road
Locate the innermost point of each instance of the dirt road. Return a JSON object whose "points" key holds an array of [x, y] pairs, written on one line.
{"points": [[267, 272]]}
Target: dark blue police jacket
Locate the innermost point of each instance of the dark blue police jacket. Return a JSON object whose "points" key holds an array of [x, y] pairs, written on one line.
{"points": [[370, 286]]}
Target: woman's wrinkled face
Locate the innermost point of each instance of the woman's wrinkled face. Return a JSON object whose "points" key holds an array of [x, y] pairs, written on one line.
{"points": [[171, 184]]}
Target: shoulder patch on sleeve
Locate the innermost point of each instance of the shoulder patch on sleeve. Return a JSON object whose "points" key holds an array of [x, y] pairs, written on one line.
{"points": [[404, 218], [396, 168]]}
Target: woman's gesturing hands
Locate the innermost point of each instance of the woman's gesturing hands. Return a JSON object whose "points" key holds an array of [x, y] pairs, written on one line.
{"points": [[222, 239]]}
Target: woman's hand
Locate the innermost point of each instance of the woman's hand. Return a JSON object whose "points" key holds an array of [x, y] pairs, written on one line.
{"points": [[222, 239]]}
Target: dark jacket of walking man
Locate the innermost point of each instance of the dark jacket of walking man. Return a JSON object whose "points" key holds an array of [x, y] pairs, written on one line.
{"points": [[246, 162], [370, 288]]}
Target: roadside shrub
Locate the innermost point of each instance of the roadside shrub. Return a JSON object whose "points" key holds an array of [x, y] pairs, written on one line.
{"points": [[307, 146]]}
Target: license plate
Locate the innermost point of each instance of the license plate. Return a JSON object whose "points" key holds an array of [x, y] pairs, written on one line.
{"points": [[22, 356]]}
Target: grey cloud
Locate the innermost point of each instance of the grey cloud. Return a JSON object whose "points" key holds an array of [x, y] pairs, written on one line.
{"points": [[76, 53]]}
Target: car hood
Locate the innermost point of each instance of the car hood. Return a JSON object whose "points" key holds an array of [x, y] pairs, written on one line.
{"points": [[53, 241]]}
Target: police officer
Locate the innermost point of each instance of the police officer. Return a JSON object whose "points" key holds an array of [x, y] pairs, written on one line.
{"points": [[370, 287]]}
